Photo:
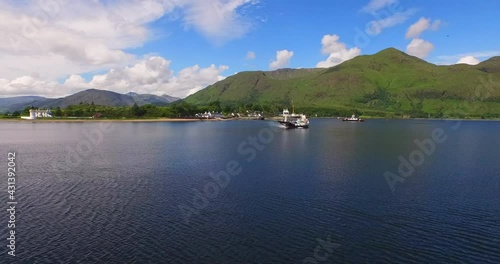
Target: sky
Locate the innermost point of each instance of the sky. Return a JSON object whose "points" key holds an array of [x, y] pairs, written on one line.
{"points": [[54, 48]]}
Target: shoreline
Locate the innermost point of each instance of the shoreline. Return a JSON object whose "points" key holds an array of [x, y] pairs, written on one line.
{"points": [[430, 119], [153, 120], [75, 120], [135, 120]]}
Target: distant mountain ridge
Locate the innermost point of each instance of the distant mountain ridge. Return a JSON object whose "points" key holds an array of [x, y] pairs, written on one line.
{"points": [[14, 102], [142, 99], [98, 97]]}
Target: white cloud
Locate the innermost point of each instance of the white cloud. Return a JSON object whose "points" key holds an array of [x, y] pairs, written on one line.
{"points": [[146, 73], [419, 48], [82, 37], [452, 59], [416, 29], [374, 5], [193, 79], [217, 19], [282, 59], [152, 76], [251, 55], [76, 81], [468, 60], [337, 51], [30, 85], [375, 27], [422, 25], [436, 24], [44, 41]]}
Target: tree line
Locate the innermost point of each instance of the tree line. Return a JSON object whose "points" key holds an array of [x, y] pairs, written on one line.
{"points": [[184, 109]]}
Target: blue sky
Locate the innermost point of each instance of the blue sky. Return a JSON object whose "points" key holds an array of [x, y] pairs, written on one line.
{"points": [[178, 47], [468, 27]]}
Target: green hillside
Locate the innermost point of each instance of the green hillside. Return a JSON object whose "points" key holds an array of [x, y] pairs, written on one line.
{"points": [[384, 84]]}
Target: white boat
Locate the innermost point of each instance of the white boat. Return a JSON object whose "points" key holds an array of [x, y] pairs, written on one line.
{"points": [[294, 120], [353, 118]]}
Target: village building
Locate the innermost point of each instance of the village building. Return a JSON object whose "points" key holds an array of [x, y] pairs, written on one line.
{"points": [[38, 113]]}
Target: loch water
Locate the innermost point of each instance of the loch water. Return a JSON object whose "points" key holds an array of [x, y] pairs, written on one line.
{"points": [[383, 191]]}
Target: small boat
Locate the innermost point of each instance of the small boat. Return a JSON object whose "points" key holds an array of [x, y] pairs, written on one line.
{"points": [[353, 118], [293, 120]]}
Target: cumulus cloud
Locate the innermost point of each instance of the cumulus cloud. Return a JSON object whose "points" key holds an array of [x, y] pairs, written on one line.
{"points": [[374, 5], [422, 25], [471, 60], [75, 81], [152, 76], [376, 27], [83, 36], [30, 85], [282, 59], [195, 78], [337, 51], [78, 37], [419, 48], [251, 55], [154, 70]]}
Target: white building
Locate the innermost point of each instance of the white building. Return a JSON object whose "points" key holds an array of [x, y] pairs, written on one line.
{"points": [[36, 113]]}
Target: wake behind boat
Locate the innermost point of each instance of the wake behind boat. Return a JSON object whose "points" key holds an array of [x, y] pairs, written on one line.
{"points": [[293, 120]]}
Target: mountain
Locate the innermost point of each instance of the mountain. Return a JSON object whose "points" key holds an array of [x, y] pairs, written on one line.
{"points": [[18, 103], [98, 97], [142, 99], [170, 99], [491, 65], [389, 81]]}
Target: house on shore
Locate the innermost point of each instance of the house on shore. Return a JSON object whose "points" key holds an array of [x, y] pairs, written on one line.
{"points": [[38, 113]]}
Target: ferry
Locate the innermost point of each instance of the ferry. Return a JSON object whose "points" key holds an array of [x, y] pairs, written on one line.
{"points": [[293, 120]]}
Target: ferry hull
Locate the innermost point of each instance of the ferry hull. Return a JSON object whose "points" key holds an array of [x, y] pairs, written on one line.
{"points": [[290, 125]]}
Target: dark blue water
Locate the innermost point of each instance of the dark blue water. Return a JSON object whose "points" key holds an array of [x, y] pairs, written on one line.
{"points": [[142, 193]]}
